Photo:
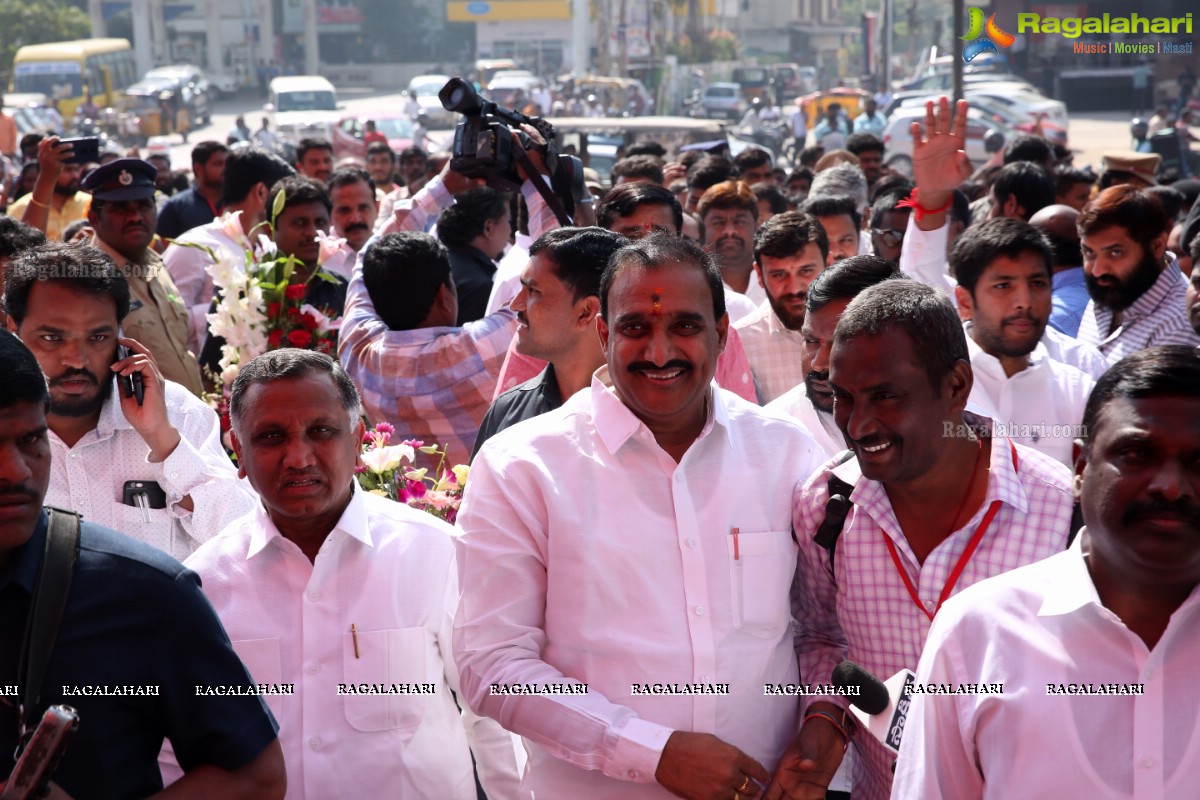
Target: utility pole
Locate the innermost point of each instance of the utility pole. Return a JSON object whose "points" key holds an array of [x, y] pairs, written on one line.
{"points": [[580, 10], [958, 62], [623, 41]]}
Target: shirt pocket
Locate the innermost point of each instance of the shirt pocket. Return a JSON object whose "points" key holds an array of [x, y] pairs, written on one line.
{"points": [[262, 660], [384, 658], [158, 532], [761, 568]]}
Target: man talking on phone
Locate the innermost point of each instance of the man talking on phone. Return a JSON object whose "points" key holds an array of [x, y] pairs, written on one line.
{"points": [[134, 640], [155, 469]]}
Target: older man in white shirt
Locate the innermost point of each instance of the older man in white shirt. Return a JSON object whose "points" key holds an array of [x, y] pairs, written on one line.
{"points": [[623, 604], [346, 597], [1005, 276], [811, 403], [144, 459], [1096, 647]]}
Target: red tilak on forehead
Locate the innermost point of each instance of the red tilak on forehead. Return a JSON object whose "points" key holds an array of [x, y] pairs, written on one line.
{"points": [[656, 298]]}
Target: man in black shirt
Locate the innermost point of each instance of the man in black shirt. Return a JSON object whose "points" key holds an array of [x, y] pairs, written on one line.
{"points": [[556, 322], [200, 204], [475, 230], [136, 643]]}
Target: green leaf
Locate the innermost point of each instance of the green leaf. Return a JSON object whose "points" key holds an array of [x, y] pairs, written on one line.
{"points": [[277, 207]]}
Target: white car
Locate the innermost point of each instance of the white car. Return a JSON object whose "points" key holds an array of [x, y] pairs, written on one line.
{"points": [[1024, 102], [425, 88], [302, 107], [898, 142]]}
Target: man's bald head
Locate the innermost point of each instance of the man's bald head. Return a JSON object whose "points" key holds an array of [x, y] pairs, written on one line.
{"points": [[1058, 223]]}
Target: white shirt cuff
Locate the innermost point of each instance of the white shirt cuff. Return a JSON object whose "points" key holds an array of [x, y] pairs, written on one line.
{"points": [[638, 751]]}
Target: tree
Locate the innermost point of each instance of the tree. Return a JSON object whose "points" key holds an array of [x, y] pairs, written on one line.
{"points": [[35, 22]]}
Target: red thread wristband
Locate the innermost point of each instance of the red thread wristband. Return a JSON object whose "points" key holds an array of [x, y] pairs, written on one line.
{"points": [[919, 211], [825, 715]]}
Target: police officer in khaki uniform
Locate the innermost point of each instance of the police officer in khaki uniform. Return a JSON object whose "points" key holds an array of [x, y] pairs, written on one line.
{"points": [[124, 216]]}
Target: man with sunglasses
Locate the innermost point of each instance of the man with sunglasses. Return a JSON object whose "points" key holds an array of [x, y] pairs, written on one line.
{"points": [[888, 223]]}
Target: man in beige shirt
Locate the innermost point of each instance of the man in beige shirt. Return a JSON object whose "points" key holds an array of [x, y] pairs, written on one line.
{"points": [[123, 215]]}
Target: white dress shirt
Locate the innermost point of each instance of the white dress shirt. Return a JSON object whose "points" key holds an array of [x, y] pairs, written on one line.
{"points": [[1045, 625], [341, 262], [1079, 354], [506, 283], [90, 477], [794, 403], [1040, 407], [587, 554], [773, 352], [388, 570], [864, 611], [188, 268], [737, 305]]}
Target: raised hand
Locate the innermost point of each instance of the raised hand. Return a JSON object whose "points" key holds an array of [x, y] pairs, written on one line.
{"points": [[940, 162]]}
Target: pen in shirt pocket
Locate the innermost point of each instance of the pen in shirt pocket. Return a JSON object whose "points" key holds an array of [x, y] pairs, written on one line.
{"points": [[354, 636], [736, 553]]}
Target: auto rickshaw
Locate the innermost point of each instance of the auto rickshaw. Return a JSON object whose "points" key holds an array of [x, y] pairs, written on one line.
{"points": [[152, 108], [853, 101]]}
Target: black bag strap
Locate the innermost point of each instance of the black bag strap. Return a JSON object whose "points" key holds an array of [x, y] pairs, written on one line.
{"points": [[836, 508], [45, 613]]}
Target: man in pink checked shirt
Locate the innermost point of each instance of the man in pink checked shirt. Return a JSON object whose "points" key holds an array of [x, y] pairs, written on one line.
{"points": [[938, 504]]}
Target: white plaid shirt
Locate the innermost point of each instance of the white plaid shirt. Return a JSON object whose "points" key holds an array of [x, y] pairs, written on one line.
{"points": [[1158, 317], [773, 352], [866, 614]]}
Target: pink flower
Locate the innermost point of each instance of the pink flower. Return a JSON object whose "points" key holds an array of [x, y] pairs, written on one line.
{"points": [[416, 489], [386, 427]]}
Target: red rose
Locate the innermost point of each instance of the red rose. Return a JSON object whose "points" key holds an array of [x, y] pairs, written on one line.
{"points": [[295, 291], [299, 338], [273, 309], [325, 346], [274, 339], [293, 313], [310, 321]]}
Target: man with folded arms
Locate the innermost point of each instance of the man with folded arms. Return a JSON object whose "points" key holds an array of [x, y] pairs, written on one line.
{"points": [[609, 543]]}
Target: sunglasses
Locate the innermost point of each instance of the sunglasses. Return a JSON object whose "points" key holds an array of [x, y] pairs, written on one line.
{"points": [[890, 237]]}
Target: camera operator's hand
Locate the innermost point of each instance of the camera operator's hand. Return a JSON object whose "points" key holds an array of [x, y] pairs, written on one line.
{"points": [[534, 151], [457, 183]]}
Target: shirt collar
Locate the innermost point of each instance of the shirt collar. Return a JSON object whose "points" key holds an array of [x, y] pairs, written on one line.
{"points": [[1071, 588], [353, 523], [25, 563], [1150, 300], [615, 423]]}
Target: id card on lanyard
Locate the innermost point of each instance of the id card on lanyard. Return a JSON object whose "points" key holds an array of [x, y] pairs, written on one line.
{"points": [[959, 566]]}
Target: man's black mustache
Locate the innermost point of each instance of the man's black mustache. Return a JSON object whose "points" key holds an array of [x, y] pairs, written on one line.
{"points": [[649, 366], [17, 489], [73, 374], [1184, 509], [357, 226]]}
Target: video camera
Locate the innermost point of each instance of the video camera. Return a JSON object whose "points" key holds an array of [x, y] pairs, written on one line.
{"points": [[483, 148]]}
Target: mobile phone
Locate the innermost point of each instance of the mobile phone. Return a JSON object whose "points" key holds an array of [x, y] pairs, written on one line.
{"points": [[131, 384], [143, 494], [40, 757], [85, 149]]}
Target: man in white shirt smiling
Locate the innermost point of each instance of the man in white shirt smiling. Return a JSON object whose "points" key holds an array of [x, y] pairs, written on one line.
{"points": [[1004, 273], [347, 597], [1096, 647], [612, 542]]}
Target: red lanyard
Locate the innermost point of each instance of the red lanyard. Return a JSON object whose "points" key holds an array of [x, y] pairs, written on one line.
{"points": [[961, 565]]}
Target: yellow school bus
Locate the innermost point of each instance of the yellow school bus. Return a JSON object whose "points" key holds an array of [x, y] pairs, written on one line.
{"points": [[69, 72]]}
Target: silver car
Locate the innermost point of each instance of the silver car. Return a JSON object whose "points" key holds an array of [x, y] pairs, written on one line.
{"points": [[723, 101]]}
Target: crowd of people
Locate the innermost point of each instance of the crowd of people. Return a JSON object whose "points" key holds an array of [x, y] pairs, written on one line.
{"points": [[731, 427]]}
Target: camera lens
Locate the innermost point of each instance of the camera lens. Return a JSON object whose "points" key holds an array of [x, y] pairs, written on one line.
{"points": [[456, 96]]}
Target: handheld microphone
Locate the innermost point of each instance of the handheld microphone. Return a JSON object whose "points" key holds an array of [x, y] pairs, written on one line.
{"points": [[879, 706]]}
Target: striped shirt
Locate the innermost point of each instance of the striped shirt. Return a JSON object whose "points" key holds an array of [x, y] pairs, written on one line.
{"points": [[432, 384], [865, 612], [773, 351], [1158, 317]]}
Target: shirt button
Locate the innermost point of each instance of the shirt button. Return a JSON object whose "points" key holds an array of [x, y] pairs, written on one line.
{"points": [[633, 773], [174, 476], [929, 604], [314, 596], [315, 743], [1147, 762], [691, 543], [699, 611], [313, 669]]}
